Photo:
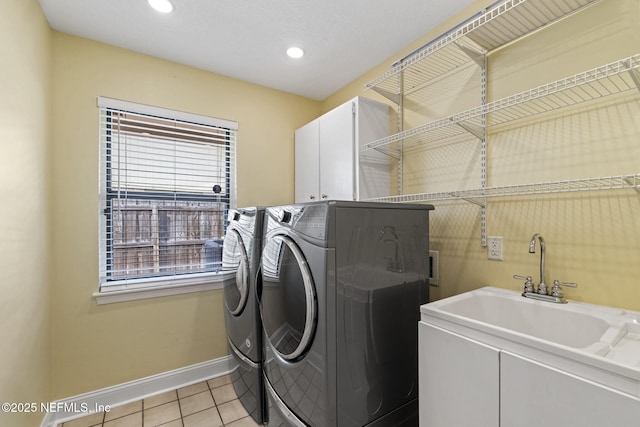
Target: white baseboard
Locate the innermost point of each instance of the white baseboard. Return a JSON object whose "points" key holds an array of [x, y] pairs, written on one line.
{"points": [[84, 404]]}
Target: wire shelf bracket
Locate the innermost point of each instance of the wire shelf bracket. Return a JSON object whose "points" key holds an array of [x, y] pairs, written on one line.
{"points": [[476, 55], [477, 131], [634, 73], [632, 181], [391, 96]]}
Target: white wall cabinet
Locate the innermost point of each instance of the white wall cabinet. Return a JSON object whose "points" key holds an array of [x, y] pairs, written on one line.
{"points": [[307, 162], [327, 152]]}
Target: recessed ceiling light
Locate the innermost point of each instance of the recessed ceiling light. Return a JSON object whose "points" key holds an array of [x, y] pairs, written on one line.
{"points": [[295, 52], [162, 6]]}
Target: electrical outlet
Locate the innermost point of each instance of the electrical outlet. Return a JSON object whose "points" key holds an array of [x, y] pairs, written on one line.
{"points": [[494, 248]]}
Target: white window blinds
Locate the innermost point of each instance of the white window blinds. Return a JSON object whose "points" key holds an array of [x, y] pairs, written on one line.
{"points": [[167, 181]]}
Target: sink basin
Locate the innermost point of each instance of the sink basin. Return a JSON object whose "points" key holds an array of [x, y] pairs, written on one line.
{"points": [[539, 319]]}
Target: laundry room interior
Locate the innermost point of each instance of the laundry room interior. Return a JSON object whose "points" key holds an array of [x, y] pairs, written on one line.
{"points": [[498, 140]]}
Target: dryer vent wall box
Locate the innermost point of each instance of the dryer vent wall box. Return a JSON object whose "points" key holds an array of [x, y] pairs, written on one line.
{"points": [[434, 261], [329, 164]]}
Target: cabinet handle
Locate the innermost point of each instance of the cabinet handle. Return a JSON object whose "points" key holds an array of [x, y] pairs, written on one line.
{"points": [[312, 197], [324, 196]]}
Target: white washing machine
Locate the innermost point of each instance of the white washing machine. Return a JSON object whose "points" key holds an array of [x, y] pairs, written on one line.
{"points": [[340, 303]]}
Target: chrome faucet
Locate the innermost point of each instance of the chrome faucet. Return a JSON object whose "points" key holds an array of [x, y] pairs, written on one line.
{"points": [[556, 295], [542, 287]]}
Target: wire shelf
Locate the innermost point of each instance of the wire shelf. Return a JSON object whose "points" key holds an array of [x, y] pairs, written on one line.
{"points": [[501, 24], [610, 79], [568, 186]]}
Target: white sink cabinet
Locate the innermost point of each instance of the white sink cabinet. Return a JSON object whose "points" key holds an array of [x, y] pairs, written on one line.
{"points": [[478, 369], [533, 394], [459, 380]]}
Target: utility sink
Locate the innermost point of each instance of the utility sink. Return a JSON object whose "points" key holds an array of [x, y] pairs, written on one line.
{"points": [[605, 338], [543, 320], [523, 362]]}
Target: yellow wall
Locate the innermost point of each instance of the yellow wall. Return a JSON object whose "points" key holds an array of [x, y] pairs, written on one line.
{"points": [[25, 96], [98, 346], [356, 87], [59, 343], [591, 237]]}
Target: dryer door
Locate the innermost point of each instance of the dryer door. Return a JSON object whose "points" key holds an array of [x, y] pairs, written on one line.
{"points": [[235, 258], [288, 302]]}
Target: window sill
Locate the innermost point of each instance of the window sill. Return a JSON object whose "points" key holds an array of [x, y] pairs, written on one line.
{"points": [[159, 289]]}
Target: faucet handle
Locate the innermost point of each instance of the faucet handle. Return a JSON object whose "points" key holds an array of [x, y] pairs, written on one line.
{"points": [[528, 284], [556, 291]]}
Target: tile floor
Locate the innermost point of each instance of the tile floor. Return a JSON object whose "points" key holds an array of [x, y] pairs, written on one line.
{"points": [[211, 403]]}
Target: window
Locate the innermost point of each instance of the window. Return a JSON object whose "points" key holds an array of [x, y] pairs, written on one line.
{"points": [[168, 180]]}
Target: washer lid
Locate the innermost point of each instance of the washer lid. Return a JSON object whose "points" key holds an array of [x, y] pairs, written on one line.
{"points": [[288, 302], [235, 258]]}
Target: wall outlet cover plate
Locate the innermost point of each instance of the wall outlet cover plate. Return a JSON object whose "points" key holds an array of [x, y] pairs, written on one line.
{"points": [[494, 248]]}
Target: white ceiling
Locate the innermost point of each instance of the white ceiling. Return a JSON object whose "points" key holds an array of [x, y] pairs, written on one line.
{"points": [[247, 39]]}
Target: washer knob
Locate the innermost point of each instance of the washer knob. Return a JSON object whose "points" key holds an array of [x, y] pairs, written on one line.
{"points": [[285, 216]]}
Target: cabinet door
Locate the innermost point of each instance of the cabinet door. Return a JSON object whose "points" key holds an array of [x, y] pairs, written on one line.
{"points": [[458, 380], [337, 148], [307, 167], [374, 175], [535, 395]]}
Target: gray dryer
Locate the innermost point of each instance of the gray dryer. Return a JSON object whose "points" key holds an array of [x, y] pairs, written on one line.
{"points": [[340, 301]]}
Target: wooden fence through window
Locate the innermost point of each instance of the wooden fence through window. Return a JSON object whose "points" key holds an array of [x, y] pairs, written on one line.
{"points": [[160, 237]]}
